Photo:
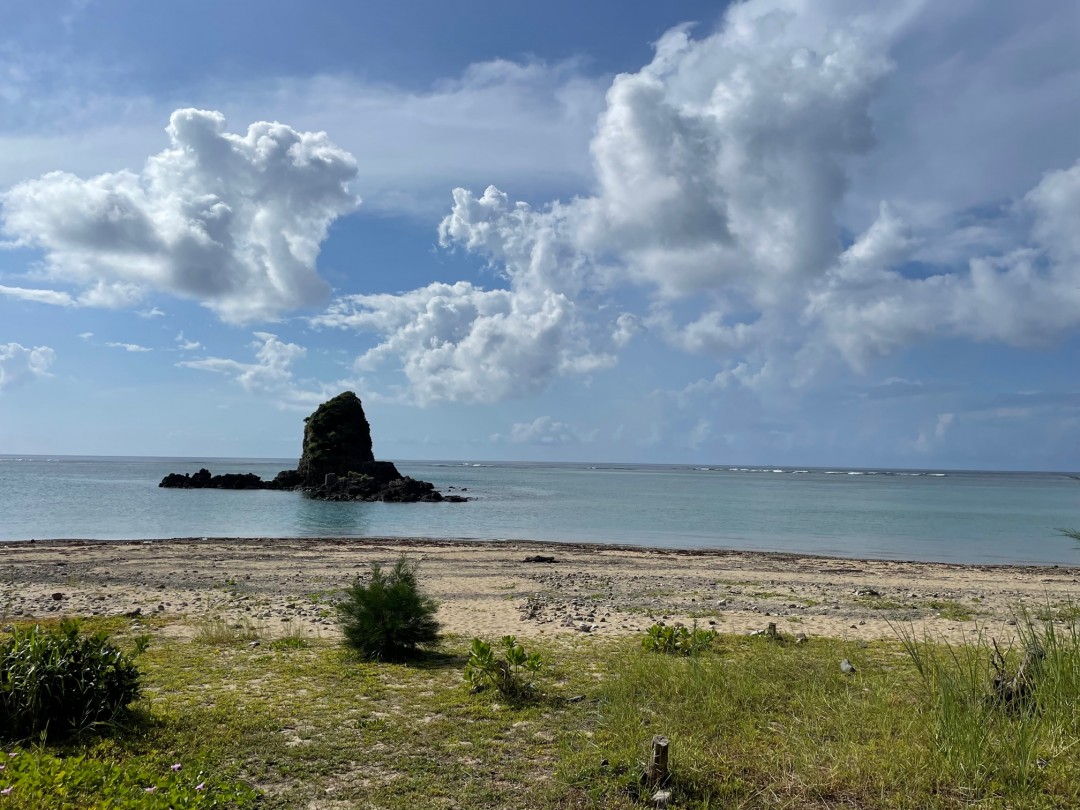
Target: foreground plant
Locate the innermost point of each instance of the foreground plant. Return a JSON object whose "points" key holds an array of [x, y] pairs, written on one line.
{"points": [[506, 673], [60, 682], [37, 778], [678, 640], [387, 617]]}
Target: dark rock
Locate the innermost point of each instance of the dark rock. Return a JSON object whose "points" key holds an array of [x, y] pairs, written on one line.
{"points": [[539, 558], [337, 439], [336, 464]]}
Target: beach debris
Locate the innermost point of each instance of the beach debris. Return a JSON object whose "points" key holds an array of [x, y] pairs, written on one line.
{"points": [[867, 592], [769, 632], [847, 667], [662, 798], [538, 558], [1015, 690]]}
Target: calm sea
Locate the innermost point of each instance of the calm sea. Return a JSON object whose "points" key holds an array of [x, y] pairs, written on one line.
{"points": [[971, 517]]}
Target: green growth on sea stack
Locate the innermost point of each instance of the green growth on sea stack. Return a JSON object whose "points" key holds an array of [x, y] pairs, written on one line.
{"points": [[337, 439]]}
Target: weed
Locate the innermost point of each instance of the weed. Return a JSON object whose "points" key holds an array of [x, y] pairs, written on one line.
{"points": [[678, 640], [216, 630], [952, 610], [485, 668]]}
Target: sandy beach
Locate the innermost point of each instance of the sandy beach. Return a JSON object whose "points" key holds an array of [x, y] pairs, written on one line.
{"points": [[489, 589]]}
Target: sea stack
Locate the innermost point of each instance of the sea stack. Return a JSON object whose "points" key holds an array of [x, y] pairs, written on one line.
{"points": [[336, 464], [337, 440]]}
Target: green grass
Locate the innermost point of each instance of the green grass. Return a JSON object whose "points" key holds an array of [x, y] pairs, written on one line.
{"points": [[880, 603], [1063, 611], [751, 724], [952, 610]]}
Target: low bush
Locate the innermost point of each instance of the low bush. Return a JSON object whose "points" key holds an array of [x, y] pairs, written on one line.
{"points": [[506, 673], [387, 617], [59, 682], [678, 640]]}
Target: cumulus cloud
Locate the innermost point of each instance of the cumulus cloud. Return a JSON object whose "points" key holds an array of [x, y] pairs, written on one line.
{"points": [[458, 342], [232, 221], [20, 365], [722, 172]]}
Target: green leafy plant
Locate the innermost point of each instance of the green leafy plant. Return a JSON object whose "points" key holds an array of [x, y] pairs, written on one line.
{"points": [[59, 682], [387, 617], [678, 640], [38, 778], [505, 673]]}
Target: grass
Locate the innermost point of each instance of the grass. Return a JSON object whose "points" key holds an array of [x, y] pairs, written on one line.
{"points": [[1066, 611], [952, 610], [752, 725], [880, 603]]}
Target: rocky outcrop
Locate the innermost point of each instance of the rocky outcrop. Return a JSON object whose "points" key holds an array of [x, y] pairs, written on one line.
{"points": [[336, 464], [337, 440], [204, 480]]}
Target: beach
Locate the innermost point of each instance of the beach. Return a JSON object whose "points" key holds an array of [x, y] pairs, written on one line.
{"points": [[488, 589]]}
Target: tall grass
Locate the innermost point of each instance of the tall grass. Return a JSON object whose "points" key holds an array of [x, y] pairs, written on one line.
{"points": [[920, 725], [985, 740]]}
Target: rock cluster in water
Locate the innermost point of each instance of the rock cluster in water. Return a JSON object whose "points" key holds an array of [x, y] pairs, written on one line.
{"points": [[336, 464]]}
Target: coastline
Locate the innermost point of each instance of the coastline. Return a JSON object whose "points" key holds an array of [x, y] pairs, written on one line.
{"points": [[485, 588]]}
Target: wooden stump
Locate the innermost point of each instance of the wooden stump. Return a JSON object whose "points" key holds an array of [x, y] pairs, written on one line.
{"points": [[657, 772]]}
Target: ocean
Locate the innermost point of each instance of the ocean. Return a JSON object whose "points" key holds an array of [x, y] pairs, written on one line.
{"points": [[930, 515]]}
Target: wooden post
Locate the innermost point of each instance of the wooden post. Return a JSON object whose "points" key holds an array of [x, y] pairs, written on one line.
{"points": [[771, 632], [657, 772]]}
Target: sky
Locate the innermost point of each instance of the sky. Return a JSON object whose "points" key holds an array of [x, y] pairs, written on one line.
{"points": [[772, 232]]}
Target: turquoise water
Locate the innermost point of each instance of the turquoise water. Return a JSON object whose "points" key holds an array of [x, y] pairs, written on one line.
{"points": [[969, 517]]}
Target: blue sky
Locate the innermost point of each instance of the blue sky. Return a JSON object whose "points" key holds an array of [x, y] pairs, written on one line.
{"points": [[779, 232]]}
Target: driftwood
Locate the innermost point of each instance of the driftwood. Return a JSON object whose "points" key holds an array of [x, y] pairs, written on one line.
{"points": [[1014, 690], [539, 558]]}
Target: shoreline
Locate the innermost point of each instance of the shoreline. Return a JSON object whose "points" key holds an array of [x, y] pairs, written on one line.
{"points": [[573, 545], [485, 588]]}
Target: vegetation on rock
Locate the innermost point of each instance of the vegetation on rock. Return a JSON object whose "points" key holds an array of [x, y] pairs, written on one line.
{"points": [[337, 439]]}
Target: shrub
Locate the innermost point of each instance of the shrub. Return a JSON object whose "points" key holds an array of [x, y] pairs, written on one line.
{"points": [[61, 682], [486, 669], [388, 617], [678, 640]]}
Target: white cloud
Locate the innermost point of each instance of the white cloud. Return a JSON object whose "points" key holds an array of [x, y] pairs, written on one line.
{"points": [[187, 345], [522, 124], [543, 431], [232, 221], [928, 440], [272, 373], [723, 170], [20, 365], [458, 342], [153, 312], [129, 347], [54, 297]]}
